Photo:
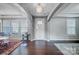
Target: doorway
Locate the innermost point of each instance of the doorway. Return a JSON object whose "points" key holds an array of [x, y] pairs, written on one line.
{"points": [[39, 29]]}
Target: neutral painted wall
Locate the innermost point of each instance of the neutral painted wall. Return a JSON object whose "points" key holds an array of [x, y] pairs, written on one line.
{"points": [[57, 29], [30, 26]]}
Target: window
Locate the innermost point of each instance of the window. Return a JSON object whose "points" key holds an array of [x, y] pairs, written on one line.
{"points": [[6, 27], [23, 26], [39, 22], [15, 27], [71, 26]]}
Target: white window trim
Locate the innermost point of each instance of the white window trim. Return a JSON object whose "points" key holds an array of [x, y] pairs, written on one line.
{"points": [[73, 26]]}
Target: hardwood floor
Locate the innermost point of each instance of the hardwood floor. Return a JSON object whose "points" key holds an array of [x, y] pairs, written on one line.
{"points": [[11, 48], [37, 48]]}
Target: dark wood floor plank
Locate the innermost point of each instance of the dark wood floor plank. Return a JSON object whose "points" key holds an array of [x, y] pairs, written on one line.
{"points": [[37, 48]]}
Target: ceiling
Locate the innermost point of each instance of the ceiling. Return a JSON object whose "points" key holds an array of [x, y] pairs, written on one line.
{"points": [[70, 10], [31, 8], [9, 9], [66, 10]]}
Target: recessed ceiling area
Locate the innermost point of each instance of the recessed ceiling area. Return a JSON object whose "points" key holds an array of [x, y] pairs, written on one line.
{"points": [[31, 8]]}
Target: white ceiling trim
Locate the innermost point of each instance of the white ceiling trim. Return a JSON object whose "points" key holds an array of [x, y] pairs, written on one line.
{"points": [[51, 13], [54, 11]]}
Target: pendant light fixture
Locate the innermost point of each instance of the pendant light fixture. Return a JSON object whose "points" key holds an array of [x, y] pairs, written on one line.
{"points": [[39, 8]]}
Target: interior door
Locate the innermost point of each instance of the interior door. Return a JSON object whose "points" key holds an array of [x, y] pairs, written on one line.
{"points": [[40, 29]]}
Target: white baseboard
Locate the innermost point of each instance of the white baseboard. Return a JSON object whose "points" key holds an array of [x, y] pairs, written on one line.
{"points": [[39, 39]]}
